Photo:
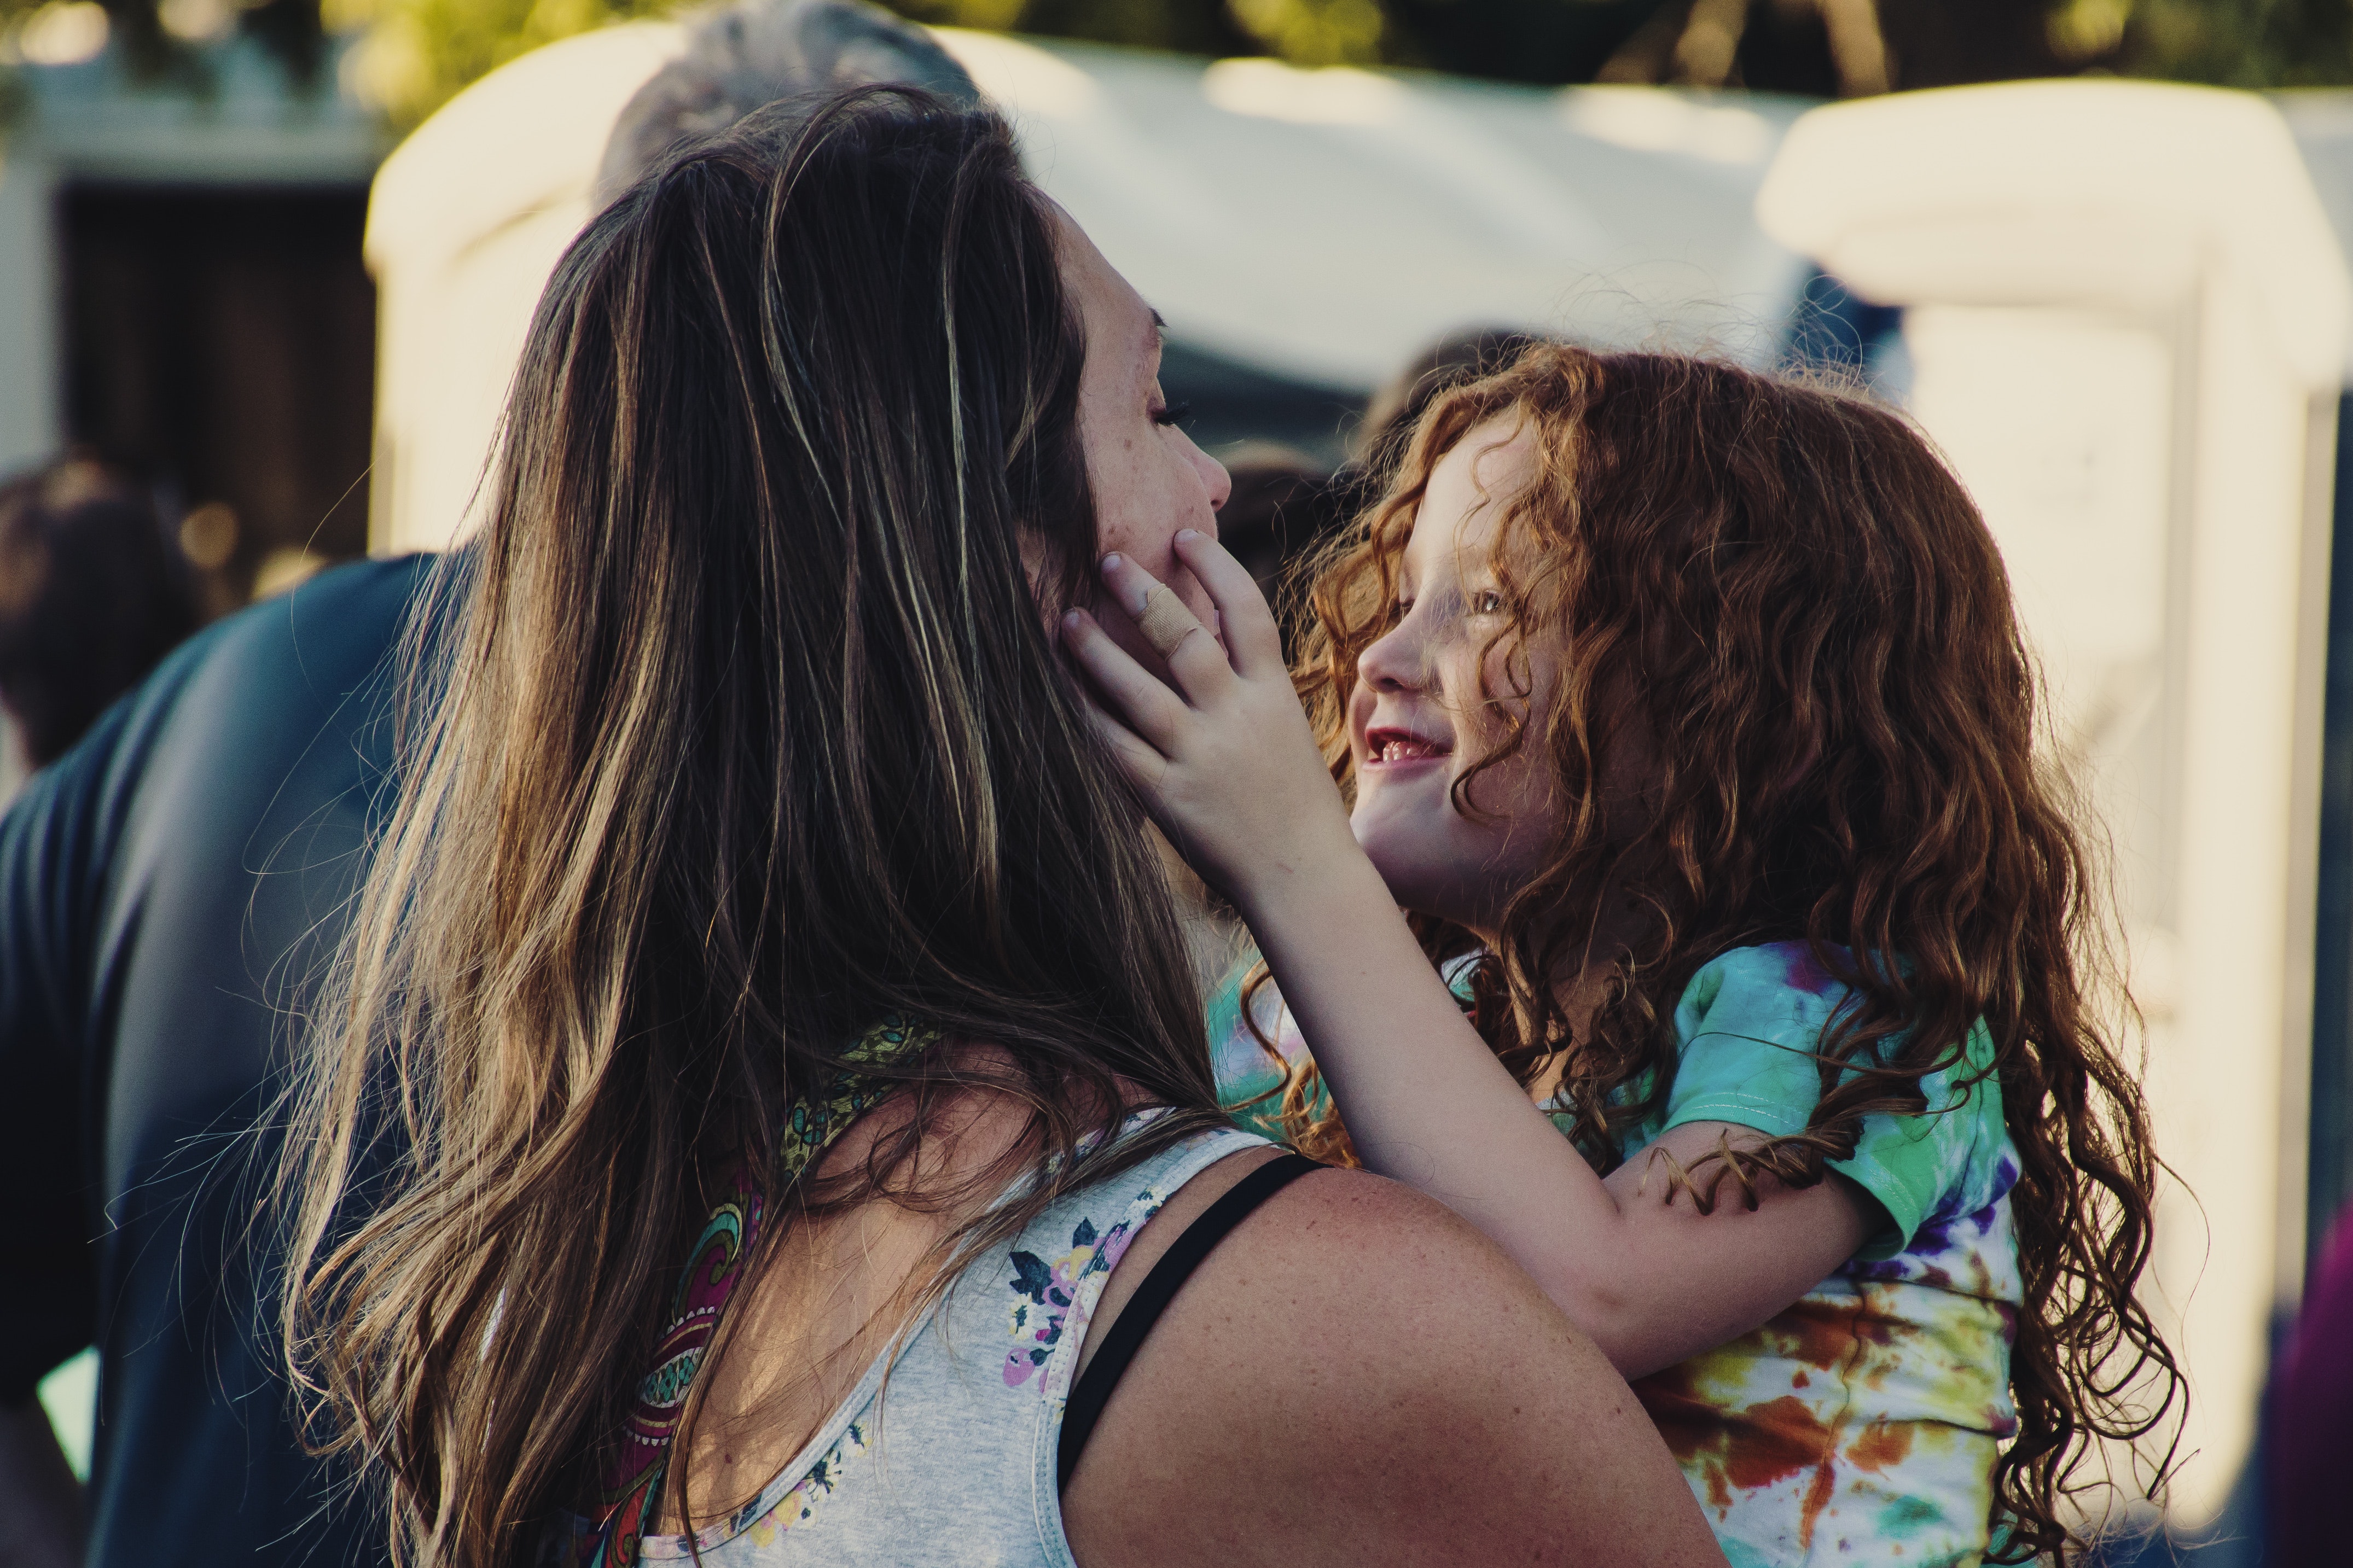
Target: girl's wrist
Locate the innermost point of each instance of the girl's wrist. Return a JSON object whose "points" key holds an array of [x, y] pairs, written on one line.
{"points": [[1312, 874]]}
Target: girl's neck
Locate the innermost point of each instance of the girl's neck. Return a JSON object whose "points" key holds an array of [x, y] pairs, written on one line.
{"points": [[1581, 985], [1577, 996]]}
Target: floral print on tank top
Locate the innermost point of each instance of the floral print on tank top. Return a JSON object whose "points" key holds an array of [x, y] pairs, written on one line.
{"points": [[1862, 1423], [1044, 1292]]}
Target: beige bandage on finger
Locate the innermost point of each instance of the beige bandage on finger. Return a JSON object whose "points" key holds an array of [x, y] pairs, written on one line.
{"points": [[1166, 622]]}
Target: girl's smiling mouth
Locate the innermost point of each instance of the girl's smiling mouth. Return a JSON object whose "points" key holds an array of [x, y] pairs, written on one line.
{"points": [[1386, 746]]}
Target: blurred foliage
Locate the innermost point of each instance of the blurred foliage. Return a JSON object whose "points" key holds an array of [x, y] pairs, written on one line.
{"points": [[2233, 43], [414, 55], [411, 56]]}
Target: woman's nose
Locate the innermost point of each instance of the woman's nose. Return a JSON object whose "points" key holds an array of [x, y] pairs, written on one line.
{"points": [[1214, 478]]}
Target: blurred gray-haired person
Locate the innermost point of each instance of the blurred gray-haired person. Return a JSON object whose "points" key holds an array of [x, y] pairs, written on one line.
{"points": [[165, 888]]}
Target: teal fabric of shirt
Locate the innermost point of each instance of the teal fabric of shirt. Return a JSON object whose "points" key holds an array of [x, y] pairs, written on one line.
{"points": [[1749, 1025]]}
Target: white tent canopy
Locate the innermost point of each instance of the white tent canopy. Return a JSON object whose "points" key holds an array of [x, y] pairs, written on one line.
{"points": [[1329, 224], [1324, 225]]}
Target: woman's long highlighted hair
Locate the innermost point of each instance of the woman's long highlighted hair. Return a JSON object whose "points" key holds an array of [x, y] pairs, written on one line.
{"points": [[1799, 603], [751, 734]]}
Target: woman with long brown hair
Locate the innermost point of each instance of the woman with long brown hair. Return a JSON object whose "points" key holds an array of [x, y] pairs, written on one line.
{"points": [[767, 1102], [1684, 711]]}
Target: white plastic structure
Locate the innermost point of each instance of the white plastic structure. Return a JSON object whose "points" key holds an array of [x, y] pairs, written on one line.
{"points": [[466, 220], [2128, 323], [1326, 225]]}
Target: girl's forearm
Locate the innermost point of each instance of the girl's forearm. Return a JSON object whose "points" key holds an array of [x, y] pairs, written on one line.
{"points": [[1233, 775], [1425, 1100], [1649, 1282]]}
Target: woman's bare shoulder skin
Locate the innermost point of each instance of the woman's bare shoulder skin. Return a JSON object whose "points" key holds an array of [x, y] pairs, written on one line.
{"points": [[1356, 1377]]}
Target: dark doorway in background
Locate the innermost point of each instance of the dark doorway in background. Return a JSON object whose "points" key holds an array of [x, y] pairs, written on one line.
{"points": [[221, 343]]}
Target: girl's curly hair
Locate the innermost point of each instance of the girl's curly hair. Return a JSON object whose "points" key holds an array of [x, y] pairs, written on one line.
{"points": [[1784, 586]]}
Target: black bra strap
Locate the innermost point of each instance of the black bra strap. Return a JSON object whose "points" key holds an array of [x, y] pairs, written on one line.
{"points": [[1124, 1337]]}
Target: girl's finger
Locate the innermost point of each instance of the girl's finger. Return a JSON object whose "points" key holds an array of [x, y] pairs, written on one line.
{"points": [[1140, 699], [1253, 641], [1144, 766], [1192, 652]]}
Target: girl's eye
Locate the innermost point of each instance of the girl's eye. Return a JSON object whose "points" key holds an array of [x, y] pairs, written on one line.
{"points": [[1172, 414], [1486, 602]]}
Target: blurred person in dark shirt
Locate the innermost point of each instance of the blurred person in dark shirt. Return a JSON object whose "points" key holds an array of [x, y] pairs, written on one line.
{"points": [[91, 594], [164, 888], [168, 890]]}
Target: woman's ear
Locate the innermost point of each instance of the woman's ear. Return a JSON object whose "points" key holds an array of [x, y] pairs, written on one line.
{"points": [[1059, 580], [1046, 589]]}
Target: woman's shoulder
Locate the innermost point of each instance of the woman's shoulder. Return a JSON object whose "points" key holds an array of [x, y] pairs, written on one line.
{"points": [[1349, 1333]]}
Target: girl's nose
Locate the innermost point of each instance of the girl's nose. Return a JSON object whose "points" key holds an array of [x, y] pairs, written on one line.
{"points": [[1394, 661]]}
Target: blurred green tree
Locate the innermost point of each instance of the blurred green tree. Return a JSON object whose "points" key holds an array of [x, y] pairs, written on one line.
{"points": [[413, 55], [2231, 43]]}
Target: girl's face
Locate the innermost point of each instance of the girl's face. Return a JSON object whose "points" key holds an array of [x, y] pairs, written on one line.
{"points": [[1421, 717], [1149, 480]]}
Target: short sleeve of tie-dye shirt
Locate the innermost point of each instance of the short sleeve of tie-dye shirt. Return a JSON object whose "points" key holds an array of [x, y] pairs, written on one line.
{"points": [[1749, 1023]]}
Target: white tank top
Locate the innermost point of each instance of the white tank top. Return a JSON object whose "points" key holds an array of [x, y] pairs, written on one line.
{"points": [[953, 1466]]}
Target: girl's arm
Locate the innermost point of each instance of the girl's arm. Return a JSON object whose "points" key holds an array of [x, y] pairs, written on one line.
{"points": [[1233, 775]]}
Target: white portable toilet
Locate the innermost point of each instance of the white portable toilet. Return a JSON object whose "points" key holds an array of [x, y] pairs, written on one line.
{"points": [[466, 220], [2125, 317]]}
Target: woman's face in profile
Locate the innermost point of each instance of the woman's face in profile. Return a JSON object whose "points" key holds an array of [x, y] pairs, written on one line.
{"points": [[1149, 480]]}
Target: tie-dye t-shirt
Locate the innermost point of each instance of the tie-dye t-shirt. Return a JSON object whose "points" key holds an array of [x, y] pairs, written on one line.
{"points": [[1860, 1425]]}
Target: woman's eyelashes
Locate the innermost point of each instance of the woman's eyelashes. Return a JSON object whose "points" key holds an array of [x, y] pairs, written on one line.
{"points": [[1171, 413]]}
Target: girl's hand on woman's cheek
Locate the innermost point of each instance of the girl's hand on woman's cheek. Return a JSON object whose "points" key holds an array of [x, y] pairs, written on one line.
{"points": [[1225, 760]]}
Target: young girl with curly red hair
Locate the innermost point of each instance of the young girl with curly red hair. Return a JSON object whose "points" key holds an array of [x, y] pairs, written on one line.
{"points": [[1684, 712]]}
